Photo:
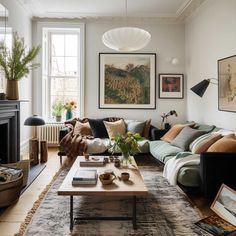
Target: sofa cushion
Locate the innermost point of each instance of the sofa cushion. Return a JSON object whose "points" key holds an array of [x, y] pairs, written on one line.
{"points": [[204, 143], [135, 127], [82, 129], [97, 145], [147, 128], [189, 176], [185, 137], [162, 150], [226, 144], [204, 127], [174, 131], [98, 128], [115, 128]]}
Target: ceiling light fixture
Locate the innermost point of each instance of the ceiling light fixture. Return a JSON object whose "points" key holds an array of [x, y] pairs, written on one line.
{"points": [[126, 39]]}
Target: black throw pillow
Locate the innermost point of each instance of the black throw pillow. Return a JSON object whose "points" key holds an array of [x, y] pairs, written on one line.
{"points": [[98, 128]]}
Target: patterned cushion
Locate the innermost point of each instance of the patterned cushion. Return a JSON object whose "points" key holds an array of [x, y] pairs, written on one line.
{"points": [[185, 137], [205, 143], [114, 128], [226, 144]]}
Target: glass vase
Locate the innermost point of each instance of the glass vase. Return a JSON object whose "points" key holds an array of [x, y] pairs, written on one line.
{"points": [[125, 159], [68, 114]]}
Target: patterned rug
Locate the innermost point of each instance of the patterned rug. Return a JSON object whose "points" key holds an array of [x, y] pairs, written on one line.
{"points": [[164, 212]]}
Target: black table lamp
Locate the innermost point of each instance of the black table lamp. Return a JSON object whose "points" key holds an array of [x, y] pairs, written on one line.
{"points": [[33, 142]]}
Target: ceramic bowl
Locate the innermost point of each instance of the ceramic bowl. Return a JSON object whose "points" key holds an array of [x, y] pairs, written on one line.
{"points": [[106, 181]]}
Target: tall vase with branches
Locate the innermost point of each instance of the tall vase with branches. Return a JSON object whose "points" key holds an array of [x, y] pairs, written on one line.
{"points": [[16, 63]]}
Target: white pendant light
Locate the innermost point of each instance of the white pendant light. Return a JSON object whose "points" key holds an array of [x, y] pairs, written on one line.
{"points": [[126, 39]]}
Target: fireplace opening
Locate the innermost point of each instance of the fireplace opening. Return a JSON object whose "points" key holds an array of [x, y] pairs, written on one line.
{"points": [[4, 143]]}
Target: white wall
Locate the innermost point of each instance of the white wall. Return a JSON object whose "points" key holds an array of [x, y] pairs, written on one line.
{"points": [[210, 35], [20, 21], [167, 41]]}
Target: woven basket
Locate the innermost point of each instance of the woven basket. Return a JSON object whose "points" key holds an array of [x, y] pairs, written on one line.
{"points": [[10, 191], [24, 165]]}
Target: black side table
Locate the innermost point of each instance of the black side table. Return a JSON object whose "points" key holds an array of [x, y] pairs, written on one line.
{"points": [[158, 133]]}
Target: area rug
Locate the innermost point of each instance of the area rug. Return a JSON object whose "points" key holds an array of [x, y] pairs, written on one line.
{"points": [[164, 212]]}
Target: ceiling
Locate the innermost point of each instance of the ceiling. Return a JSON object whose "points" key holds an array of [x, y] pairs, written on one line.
{"points": [[169, 9]]}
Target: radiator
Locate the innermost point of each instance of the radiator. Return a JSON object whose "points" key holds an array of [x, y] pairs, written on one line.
{"points": [[50, 133]]}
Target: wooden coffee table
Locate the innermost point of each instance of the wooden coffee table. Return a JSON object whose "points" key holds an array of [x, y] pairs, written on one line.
{"points": [[133, 188]]}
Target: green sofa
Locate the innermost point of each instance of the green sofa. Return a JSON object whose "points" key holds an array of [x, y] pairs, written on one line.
{"points": [[188, 176]]}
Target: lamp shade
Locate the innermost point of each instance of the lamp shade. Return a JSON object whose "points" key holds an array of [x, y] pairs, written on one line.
{"points": [[201, 87], [126, 39], [34, 121]]}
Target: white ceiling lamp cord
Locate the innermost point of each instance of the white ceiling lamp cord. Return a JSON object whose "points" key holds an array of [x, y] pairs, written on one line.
{"points": [[126, 39]]}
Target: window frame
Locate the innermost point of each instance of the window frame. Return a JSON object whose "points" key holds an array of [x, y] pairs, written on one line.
{"points": [[39, 97], [49, 64]]}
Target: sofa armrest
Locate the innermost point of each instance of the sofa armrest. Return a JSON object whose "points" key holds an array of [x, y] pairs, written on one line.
{"points": [[156, 134], [63, 132], [217, 168]]}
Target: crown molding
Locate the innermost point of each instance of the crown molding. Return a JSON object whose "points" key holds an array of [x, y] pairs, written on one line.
{"points": [[184, 11]]}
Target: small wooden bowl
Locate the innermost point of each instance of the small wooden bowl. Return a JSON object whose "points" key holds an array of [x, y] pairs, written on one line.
{"points": [[106, 181]]}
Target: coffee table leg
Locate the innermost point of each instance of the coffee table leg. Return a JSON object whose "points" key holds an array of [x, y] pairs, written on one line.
{"points": [[134, 213], [71, 213]]}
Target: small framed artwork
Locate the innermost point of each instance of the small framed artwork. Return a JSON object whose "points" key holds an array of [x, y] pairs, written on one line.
{"points": [[127, 80], [171, 86], [224, 204], [227, 84]]}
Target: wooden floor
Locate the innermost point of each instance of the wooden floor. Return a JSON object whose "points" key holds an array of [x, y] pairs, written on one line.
{"points": [[14, 215]]}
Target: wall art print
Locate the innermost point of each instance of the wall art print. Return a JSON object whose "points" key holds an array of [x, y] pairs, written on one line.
{"points": [[127, 80], [227, 84], [171, 85]]}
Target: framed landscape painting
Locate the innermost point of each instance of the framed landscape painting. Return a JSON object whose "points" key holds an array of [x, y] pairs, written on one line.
{"points": [[227, 84], [127, 80], [171, 85]]}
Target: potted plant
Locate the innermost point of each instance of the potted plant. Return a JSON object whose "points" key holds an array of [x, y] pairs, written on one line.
{"points": [[69, 106], [57, 109], [127, 145], [16, 63]]}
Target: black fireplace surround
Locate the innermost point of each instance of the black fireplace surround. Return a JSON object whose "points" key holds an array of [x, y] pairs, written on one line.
{"points": [[9, 131]]}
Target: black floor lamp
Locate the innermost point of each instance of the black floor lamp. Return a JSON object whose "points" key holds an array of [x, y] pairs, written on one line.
{"points": [[33, 142]]}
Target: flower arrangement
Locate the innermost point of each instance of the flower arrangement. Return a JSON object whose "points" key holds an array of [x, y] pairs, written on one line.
{"points": [[70, 105], [127, 145]]}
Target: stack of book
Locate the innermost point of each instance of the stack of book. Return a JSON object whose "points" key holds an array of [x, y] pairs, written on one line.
{"points": [[83, 177], [93, 161]]}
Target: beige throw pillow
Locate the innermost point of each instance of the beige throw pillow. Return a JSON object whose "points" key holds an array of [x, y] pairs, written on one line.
{"points": [[82, 129], [115, 128], [226, 144]]}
